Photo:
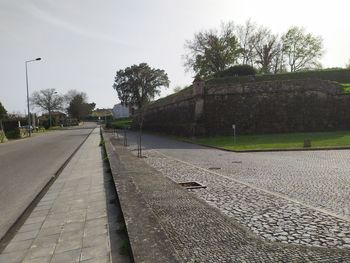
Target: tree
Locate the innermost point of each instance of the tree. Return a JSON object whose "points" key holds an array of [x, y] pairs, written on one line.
{"points": [[137, 85], [246, 38], [267, 48], [78, 107], [212, 51], [69, 96], [48, 100], [3, 112], [302, 50], [348, 64]]}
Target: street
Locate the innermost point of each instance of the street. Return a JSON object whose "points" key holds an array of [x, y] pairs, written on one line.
{"points": [[27, 165]]}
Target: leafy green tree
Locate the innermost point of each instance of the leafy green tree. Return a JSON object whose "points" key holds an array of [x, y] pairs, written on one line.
{"points": [[302, 50], [212, 51], [48, 100], [137, 85], [3, 112], [78, 107]]}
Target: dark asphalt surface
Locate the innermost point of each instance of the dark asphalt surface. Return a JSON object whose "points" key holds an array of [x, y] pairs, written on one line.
{"points": [[27, 165]]}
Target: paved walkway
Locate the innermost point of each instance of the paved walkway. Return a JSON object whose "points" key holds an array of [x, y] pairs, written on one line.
{"points": [[70, 223]]}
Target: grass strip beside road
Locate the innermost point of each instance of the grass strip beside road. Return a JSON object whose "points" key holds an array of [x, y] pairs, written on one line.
{"points": [[278, 141]]}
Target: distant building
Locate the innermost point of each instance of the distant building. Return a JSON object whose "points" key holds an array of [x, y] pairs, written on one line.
{"points": [[101, 112], [120, 111]]}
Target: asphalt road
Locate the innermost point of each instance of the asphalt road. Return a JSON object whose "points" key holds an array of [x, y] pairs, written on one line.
{"points": [[27, 165]]}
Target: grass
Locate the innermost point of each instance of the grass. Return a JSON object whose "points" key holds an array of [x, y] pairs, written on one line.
{"points": [[121, 123], [345, 87], [279, 141]]}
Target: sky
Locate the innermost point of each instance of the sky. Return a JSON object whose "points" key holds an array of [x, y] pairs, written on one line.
{"points": [[83, 43]]}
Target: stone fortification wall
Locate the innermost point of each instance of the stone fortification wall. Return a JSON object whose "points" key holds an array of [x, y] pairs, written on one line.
{"points": [[254, 107], [173, 114]]}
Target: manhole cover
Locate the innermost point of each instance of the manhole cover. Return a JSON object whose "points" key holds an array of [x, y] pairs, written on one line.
{"points": [[192, 185], [237, 162], [214, 168]]}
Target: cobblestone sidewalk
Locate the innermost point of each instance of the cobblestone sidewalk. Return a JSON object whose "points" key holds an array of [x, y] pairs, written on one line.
{"points": [[70, 223], [200, 233]]}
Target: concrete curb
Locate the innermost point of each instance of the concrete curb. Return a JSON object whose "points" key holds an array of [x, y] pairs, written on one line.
{"points": [[148, 240]]}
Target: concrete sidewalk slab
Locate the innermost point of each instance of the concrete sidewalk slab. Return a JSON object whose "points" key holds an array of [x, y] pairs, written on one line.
{"points": [[71, 222]]}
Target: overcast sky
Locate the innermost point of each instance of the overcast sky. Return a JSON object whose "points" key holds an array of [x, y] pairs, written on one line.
{"points": [[84, 42]]}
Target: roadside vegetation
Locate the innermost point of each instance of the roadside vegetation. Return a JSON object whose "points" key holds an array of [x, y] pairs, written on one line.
{"points": [[123, 123], [278, 141], [345, 87]]}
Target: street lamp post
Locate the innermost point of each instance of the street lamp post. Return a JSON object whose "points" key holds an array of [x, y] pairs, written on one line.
{"points": [[29, 119]]}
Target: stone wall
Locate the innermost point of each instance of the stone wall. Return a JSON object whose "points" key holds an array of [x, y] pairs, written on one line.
{"points": [[254, 107]]}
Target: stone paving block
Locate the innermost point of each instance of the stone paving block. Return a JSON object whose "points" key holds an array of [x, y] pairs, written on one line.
{"points": [[38, 260], [68, 227], [36, 219], [42, 241], [67, 257], [13, 257], [69, 244], [30, 227], [42, 251], [49, 231], [97, 260], [94, 252], [41, 208], [18, 246], [99, 240], [25, 235], [95, 230]]}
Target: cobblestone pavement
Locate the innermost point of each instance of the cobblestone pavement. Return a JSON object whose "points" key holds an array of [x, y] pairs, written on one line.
{"points": [[289, 182], [199, 232], [70, 223]]}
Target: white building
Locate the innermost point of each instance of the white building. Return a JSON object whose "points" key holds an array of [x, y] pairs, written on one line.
{"points": [[120, 111]]}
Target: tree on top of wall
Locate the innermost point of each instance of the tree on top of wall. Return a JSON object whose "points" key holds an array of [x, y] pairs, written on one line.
{"points": [[212, 51], [302, 50]]}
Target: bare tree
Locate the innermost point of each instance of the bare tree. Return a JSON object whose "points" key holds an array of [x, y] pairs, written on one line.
{"points": [[348, 64], [268, 48], [302, 50], [246, 38], [48, 100]]}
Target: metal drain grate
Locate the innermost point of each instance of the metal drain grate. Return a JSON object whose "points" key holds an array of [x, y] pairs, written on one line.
{"points": [[192, 185]]}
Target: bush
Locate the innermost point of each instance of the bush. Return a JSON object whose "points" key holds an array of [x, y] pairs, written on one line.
{"points": [[238, 70], [13, 134]]}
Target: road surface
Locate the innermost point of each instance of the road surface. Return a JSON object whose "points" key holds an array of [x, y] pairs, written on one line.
{"points": [[27, 165]]}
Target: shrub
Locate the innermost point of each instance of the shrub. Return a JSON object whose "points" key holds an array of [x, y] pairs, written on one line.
{"points": [[238, 70], [13, 134], [2, 136]]}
